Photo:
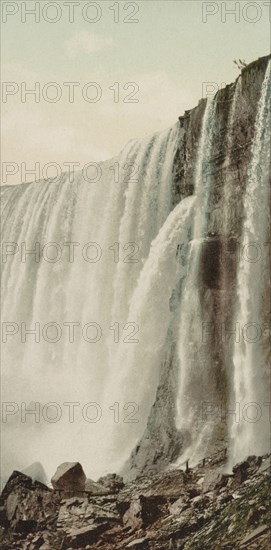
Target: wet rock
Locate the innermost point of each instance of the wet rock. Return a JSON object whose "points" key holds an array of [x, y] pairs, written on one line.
{"points": [[38, 542], [244, 469], [132, 518], [138, 544], [178, 506], [28, 507], [254, 515], [113, 483], [213, 480], [69, 478], [168, 484], [12, 503], [81, 512], [200, 501], [265, 465], [71, 513], [81, 537], [95, 488]]}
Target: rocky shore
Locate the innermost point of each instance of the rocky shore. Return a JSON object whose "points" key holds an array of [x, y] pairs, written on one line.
{"points": [[200, 508]]}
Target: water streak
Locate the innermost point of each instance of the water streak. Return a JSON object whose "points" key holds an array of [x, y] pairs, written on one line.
{"points": [[195, 378], [250, 428]]}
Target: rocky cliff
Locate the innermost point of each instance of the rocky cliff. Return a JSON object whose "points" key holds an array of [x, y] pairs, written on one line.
{"points": [[227, 168]]}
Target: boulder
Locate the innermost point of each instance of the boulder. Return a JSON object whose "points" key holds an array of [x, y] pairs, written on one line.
{"points": [[144, 511], [40, 541], [132, 518], [112, 482], [79, 512], [26, 503], [178, 506], [200, 502], [254, 514], [153, 508], [95, 488], [69, 478], [265, 465], [223, 499], [213, 480], [79, 538], [248, 467], [16, 480]]}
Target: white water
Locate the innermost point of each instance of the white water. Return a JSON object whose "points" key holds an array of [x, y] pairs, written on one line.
{"points": [[250, 429], [131, 209], [230, 148], [195, 382], [126, 293]]}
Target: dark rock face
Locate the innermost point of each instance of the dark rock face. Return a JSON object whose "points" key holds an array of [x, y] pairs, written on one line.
{"points": [[213, 480], [80, 538], [69, 477], [161, 443], [28, 506]]}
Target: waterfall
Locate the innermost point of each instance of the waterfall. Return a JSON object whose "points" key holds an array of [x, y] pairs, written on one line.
{"points": [[121, 283], [92, 265], [195, 380], [233, 119], [135, 370], [250, 428]]}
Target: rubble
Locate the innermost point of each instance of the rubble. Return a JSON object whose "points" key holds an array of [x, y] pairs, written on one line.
{"points": [[203, 508]]}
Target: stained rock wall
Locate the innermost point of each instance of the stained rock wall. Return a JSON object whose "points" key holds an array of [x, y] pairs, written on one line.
{"points": [[229, 165]]}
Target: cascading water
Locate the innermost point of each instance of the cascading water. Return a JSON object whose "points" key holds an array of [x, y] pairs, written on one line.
{"points": [[90, 266], [135, 369], [88, 305], [195, 379], [249, 385], [250, 427], [235, 106]]}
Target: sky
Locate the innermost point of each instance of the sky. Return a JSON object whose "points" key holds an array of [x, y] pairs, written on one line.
{"points": [[148, 61]]}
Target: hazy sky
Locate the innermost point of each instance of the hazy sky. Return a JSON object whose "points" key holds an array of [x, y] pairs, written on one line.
{"points": [[167, 55]]}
